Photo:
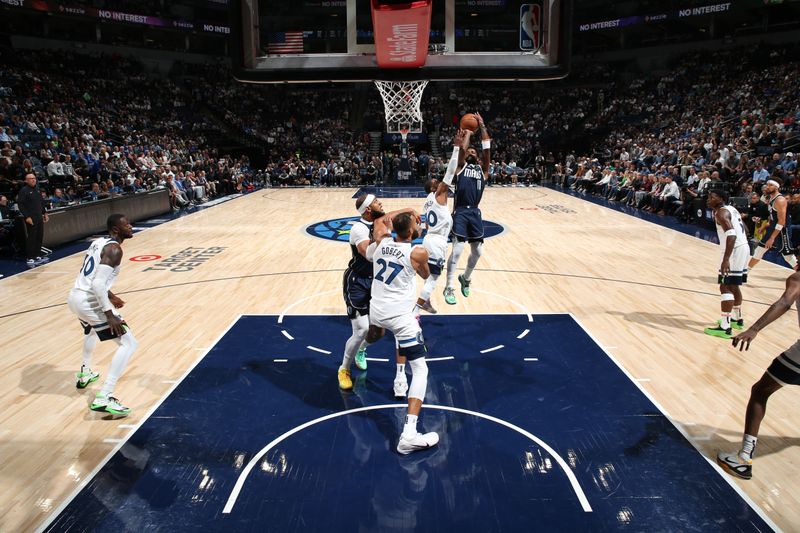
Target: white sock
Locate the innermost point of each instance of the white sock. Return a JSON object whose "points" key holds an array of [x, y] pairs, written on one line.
{"points": [[748, 447], [127, 345], [737, 312], [725, 321], [89, 343], [410, 427], [401, 371]]}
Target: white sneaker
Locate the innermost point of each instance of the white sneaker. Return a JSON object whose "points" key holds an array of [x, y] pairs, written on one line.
{"points": [[400, 388], [108, 404], [417, 442]]}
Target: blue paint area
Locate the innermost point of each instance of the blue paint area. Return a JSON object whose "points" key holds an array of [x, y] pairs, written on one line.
{"points": [[705, 232], [639, 473], [338, 229]]}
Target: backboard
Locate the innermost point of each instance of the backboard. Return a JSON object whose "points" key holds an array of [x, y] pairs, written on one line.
{"points": [[293, 41]]}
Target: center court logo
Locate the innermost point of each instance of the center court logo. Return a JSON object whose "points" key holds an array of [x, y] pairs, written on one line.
{"points": [[338, 229]]}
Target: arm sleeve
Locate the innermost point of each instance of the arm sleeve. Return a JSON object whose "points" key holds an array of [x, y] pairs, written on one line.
{"points": [[371, 250], [100, 286], [451, 167]]}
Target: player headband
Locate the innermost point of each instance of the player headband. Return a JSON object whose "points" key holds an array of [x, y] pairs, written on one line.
{"points": [[774, 183], [367, 202]]}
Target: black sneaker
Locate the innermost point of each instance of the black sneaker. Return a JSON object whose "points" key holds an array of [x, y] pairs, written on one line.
{"points": [[732, 463]]}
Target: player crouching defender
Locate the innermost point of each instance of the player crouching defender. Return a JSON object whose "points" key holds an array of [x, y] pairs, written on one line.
{"points": [[92, 301], [394, 289]]}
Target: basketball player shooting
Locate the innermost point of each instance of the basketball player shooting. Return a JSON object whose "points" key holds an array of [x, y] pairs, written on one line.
{"points": [[467, 222]]}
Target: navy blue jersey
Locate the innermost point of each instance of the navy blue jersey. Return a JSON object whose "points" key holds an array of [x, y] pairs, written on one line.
{"points": [[469, 186], [360, 231]]}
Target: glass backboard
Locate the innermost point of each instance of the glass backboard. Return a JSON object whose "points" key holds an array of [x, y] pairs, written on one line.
{"points": [[334, 40]]}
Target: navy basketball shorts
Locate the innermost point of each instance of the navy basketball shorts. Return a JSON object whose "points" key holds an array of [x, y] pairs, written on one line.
{"points": [[468, 224], [357, 291]]}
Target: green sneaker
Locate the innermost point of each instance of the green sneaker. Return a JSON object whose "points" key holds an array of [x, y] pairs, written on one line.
{"points": [[718, 332], [450, 295], [108, 404], [361, 360], [737, 323], [85, 376], [464, 285]]}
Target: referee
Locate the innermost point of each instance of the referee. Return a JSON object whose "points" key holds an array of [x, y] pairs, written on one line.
{"points": [[29, 203]]}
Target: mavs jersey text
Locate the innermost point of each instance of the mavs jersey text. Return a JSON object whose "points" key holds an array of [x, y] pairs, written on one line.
{"points": [[467, 221]]}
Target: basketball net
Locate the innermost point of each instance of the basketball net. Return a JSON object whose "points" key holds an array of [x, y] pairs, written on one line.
{"points": [[401, 100]]}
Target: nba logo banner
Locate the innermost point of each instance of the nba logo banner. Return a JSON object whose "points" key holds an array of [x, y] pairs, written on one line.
{"points": [[530, 31]]}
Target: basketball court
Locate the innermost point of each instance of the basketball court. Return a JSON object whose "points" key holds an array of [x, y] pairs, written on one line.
{"points": [[573, 390]]}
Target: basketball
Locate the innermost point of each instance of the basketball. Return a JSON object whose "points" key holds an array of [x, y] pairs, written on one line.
{"points": [[469, 122]]}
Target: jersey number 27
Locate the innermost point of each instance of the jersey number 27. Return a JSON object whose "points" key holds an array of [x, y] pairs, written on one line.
{"points": [[384, 265]]}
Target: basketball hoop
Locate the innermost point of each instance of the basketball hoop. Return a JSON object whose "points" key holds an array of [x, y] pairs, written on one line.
{"points": [[401, 101]]}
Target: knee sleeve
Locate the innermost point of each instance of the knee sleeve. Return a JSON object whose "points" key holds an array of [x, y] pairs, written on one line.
{"points": [[759, 252], [419, 378]]}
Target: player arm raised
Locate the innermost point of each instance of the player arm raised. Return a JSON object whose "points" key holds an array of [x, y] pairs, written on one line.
{"points": [[486, 143], [780, 207], [775, 311], [723, 218], [110, 258], [419, 260], [463, 145], [456, 161]]}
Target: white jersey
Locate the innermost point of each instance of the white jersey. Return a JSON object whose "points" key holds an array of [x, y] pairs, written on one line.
{"points": [[90, 263], [394, 287], [438, 217], [738, 227]]}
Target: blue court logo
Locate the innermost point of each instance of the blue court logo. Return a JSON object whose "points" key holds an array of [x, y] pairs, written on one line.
{"points": [[338, 229]]}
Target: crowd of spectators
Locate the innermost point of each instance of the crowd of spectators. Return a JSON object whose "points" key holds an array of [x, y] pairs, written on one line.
{"points": [[728, 119], [91, 127]]}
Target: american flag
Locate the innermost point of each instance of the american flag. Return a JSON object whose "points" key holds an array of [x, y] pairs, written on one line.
{"points": [[285, 42]]}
